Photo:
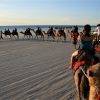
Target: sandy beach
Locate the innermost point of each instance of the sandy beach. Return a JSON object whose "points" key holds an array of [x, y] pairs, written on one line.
{"points": [[35, 70]]}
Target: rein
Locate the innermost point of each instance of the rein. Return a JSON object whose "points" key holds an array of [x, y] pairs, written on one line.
{"points": [[84, 72]]}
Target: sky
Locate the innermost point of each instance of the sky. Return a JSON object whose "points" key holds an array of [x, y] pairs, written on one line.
{"points": [[53, 12]]}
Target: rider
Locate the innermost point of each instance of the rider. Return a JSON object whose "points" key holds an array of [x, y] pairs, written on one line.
{"points": [[87, 40], [8, 31], [87, 43], [27, 30], [50, 33], [15, 30], [86, 52], [38, 30], [74, 35]]}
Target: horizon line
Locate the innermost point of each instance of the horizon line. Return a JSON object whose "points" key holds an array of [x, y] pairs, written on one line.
{"points": [[48, 25]]}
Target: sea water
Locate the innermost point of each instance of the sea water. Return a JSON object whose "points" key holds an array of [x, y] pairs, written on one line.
{"points": [[43, 27]]}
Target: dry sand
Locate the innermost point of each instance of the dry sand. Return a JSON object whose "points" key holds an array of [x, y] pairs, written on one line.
{"points": [[35, 70]]}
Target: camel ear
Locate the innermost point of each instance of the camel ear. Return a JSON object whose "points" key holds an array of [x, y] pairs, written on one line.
{"points": [[91, 74]]}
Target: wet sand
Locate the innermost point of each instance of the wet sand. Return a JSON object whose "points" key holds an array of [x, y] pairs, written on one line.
{"points": [[35, 70]]}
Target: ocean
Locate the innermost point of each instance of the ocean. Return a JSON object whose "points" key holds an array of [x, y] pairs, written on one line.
{"points": [[43, 27]]}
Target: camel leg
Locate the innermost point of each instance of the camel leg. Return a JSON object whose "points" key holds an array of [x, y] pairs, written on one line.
{"points": [[53, 37], [75, 46], [43, 37], [36, 37], [57, 38], [24, 36], [77, 78], [10, 37], [32, 36], [17, 37], [1, 37], [64, 38], [27, 36], [48, 37], [14, 36]]}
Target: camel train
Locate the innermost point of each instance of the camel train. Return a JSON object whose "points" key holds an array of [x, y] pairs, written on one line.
{"points": [[14, 33], [51, 33]]}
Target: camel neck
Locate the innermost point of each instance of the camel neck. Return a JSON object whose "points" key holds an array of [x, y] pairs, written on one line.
{"points": [[94, 94]]}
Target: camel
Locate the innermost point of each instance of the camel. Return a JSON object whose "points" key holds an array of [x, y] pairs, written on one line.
{"points": [[74, 38], [1, 37], [38, 33], [7, 33], [80, 62], [61, 33], [69, 34], [15, 33], [27, 33], [51, 33], [93, 74]]}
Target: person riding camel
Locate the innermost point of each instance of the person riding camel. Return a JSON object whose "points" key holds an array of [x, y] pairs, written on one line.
{"points": [[87, 40], [74, 35], [39, 31], [86, 50], [8, 31], [27, 30], [81, 60], [50, 33], [15, 30]]}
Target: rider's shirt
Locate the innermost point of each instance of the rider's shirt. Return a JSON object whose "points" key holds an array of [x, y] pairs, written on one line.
{"points": [[86, 43]]}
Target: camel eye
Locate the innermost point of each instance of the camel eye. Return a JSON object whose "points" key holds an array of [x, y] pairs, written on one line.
{"points": [[91, 74]]}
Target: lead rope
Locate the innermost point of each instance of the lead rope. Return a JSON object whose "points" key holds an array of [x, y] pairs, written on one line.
{"points": [[83, 72]]}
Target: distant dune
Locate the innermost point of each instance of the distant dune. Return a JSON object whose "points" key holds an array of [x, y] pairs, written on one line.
{"points": [[35, 70]]}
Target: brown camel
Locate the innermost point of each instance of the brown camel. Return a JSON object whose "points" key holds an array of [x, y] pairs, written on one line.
{"points": [[74, 38], [61, 33], [93, 74], [51, 33], [38, 32], [27, 33], [7, 33], [15, 33]]}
